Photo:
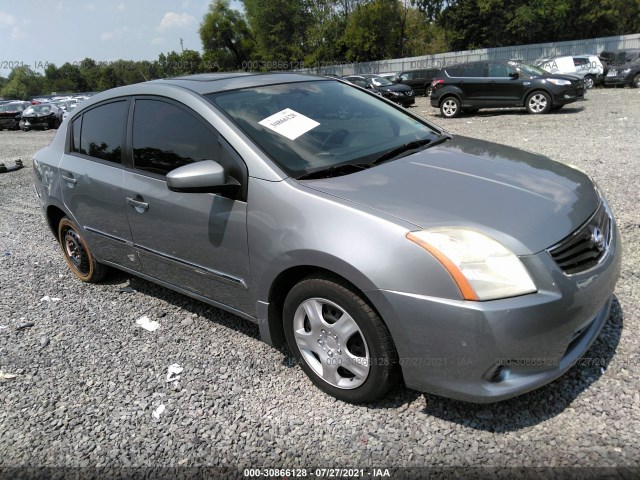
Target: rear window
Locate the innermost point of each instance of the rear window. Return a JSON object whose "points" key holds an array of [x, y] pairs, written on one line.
{"points": [[103, 130]]}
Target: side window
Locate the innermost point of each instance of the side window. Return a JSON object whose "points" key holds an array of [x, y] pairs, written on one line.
{"points": [[500, 70], [166, 137], [472, 70], [103, 130], [75, 141]]}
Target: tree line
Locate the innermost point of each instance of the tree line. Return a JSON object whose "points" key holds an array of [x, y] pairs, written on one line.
{"points": [[290, 34]]}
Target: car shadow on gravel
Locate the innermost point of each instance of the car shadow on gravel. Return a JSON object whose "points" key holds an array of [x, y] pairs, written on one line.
{"points": [[516, 112], [534, 407], [120, 280]]}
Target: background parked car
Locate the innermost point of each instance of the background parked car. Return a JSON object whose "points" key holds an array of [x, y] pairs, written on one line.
{"points": [[562, 64], [590, 69], [617, 58], [623, 75], [397, 93], [10, 114], [41, 116], [418, 80], [467, 87]]}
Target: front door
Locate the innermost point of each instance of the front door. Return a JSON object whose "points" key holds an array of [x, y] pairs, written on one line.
{"points": [[195, 241]]}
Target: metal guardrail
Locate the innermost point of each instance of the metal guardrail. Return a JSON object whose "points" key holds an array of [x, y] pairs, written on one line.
{"points": [[527, 53]]}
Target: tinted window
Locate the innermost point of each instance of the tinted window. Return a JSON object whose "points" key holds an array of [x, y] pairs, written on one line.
{"points": [[166, 137], [75, 141], [500, 70], [102, 131], [466, 70]]}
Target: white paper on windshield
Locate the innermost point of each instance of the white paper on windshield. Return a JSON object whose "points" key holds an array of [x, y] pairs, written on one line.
{"points": [[289, 123]]}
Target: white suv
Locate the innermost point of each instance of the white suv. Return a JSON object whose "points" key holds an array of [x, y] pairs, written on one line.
{"points": [[587, 67], [590, 68]]}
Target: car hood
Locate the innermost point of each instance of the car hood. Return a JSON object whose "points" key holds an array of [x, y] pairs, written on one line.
{"points": [[562, 76], [397, 87], [525, 200]]}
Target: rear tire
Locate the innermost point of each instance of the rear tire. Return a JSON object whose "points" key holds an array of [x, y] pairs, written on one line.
{"points": [[339, 341], [77, 254], [538, 102], [450, 107]]}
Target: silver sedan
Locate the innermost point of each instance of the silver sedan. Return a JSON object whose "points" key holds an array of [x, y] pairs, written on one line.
{"points": [[379, 247]]}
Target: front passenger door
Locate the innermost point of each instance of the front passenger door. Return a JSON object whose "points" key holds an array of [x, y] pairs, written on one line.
{"points": [[195, 241]]}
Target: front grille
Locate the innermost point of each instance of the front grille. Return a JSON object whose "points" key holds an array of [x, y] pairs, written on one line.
{"points": [[585, 247]]}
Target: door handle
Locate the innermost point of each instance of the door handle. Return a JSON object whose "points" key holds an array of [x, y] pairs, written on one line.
{"points": [[139, 205], [71, 182]]}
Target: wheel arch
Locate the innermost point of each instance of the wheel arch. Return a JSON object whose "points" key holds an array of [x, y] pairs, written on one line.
{"points": [[54, 215], [272, 330]]}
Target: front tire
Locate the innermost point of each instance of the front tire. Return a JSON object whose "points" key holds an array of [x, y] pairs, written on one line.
{"points": [[538, 102], [589, 81], [635, 83], [77, 254], [339, 340], [450, 107]]}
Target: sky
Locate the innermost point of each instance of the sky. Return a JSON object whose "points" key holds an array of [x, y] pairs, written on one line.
{"points": [[37, 32]]}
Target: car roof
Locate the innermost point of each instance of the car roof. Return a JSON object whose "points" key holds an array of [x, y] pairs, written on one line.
{"points": [[218, 82]]}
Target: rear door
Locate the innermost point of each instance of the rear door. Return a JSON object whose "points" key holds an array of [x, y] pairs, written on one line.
{"points": [[471, 79], [91, 174], [195, 241]]}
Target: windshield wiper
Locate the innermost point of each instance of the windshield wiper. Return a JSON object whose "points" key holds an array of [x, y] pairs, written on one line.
{"points": [[334, 171], [395, 152]]}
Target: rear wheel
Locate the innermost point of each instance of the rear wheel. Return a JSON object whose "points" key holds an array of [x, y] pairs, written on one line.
{"points": [[339, 340], [538, 102], [450, 107], [77, 254]]}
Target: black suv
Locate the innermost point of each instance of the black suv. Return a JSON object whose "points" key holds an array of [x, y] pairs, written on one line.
{"points": [[468, 87], [418, 80], [623, 68], [397, 93]]}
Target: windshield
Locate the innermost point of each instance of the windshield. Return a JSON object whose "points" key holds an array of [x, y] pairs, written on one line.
{"points": [[37, 109], [533, 71], [380, 81], [312, 125], [12, 107]]}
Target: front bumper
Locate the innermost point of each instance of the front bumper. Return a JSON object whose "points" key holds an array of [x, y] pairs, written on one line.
{"points": [[8, 122], [490, 351], [618, 81]]}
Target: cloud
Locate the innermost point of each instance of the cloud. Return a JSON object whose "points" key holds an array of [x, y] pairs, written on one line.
{"points": [[114, 34], [176, 20], [7, 20], [17, 33], [121, 7]]}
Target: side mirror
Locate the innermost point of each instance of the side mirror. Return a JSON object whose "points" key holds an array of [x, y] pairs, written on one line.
{"points": [[206, 176], [514, 75]]}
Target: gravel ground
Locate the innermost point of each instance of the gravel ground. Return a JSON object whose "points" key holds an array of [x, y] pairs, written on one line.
{"points": [[88, 379]]}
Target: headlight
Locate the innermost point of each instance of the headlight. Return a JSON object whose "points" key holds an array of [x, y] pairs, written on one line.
{"points": [[482, 268], [625, 71], [557, 81], [396, 94]]}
